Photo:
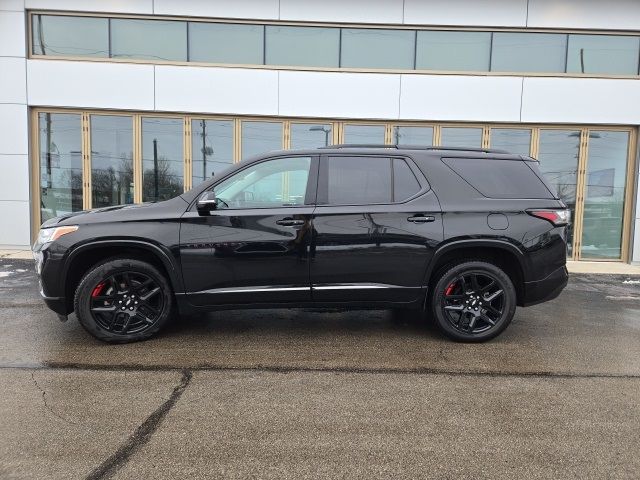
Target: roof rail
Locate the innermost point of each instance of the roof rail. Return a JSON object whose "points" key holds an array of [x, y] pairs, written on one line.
{"points": [[414, 147]]}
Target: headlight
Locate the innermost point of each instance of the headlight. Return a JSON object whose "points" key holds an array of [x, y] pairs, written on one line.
{"points": [[47, 235]]}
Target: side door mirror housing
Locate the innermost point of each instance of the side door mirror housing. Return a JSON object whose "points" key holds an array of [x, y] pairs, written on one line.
{"points": [[207, 202]]}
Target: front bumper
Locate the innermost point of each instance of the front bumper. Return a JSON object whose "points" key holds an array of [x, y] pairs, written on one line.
{"points": [[546, 289]]}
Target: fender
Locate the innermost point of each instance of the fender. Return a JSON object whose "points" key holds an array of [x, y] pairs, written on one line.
{"points": [[167, 260]]}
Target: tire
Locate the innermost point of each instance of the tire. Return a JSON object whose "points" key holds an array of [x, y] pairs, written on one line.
{"points": [[479, 297], [123, 300]]}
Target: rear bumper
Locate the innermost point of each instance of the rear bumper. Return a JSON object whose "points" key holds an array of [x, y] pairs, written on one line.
{"points": [[546, 289]]}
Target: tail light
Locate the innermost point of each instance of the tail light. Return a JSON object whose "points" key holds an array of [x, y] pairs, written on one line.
{"points": [[557, 217]]}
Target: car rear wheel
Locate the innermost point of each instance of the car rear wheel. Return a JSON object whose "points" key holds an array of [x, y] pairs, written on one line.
{"points": [[473, 301], [123, 300]]}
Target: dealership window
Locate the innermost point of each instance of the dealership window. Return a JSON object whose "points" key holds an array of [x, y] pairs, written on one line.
{"points": [[310, 135], [226, 43], [260, 137], [461, 137], [162, 158], [603, 54], [377, 48], [528, 52], [149, 39], [60, 145], [442, 50], [412, 136], [604, 195], [364, 134], [303, 46], [211, 148], [111, 160], [513, 140], [70, 36]]}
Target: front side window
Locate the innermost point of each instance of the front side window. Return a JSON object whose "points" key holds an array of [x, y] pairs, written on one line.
{"points": [[275, 183]]}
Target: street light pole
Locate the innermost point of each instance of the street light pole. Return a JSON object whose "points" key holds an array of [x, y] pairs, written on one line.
{"points": [[155, 169], [204, 150]]}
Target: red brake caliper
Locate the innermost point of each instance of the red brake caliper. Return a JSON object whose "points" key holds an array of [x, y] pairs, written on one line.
{"points": [[450, 289], [97, 290]]}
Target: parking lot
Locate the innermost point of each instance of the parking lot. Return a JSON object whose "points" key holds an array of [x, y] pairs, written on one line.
{"points": [[313, 394]]}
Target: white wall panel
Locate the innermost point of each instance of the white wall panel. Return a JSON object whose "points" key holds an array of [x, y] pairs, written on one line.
{"points": [[90, 84], [581, 100], [365, 11], [352, 95], [259, 9], [13, 129], [635, 257], [463, 98], [115, 6], [508, 13], [14, 181], [217, 90], [12, 5], [13, 80], [16, 214], [12, 36], [609, 14]]}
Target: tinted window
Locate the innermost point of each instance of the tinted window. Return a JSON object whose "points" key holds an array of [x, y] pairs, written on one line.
{"points": [[226, 43], [74, 36], [149, 39], [305, 46], [358, 180], [377, 48], [499, 178], [439, 50], [528, 52], [405, 184], [603, 54]]}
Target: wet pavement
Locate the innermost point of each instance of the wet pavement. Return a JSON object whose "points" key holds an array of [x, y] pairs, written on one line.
{"points": [[312, 394]]}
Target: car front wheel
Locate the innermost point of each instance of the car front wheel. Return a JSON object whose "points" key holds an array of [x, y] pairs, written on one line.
{"points": [[123, 300]]}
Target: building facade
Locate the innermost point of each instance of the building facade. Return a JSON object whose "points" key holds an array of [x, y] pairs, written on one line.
{"points": [[112, 102]]}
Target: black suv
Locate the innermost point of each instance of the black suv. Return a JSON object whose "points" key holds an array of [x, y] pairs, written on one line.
{"points": [[461, 235]]}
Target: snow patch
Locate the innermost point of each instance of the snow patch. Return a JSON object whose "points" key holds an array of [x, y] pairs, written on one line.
{"points": [[5, 274], [632, 282]]}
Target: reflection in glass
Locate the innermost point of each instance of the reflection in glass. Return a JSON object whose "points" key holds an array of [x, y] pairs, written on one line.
{"points": [[211, 148], [364, 134], [60, 140], [603, 54], [73, 36], [149, 39], [377, 48], [309, 135], [260, 137], [462, 51], [528, 52], [111, 160], [604, 195], [513, 140], [413, 136], [558, 155], [461, 137], [162, 158], [226, 43], [303, 46]]}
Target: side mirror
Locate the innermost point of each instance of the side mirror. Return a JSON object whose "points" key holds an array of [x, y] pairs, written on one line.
{"points": [[207, 202]]}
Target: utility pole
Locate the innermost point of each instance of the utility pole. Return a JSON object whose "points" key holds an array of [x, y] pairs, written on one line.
{"points": [[204, 150], [155, 169]]}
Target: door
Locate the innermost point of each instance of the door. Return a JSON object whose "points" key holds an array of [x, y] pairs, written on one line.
{"points": [[253, 247], [376, 225]]}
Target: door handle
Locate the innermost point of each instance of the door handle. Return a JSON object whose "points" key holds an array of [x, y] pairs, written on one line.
{"points": [[422, 219], [290, 222]]}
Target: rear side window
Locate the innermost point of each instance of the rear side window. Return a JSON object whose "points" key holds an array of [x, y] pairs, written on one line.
{"points": [[365, 180], [496, 178]]}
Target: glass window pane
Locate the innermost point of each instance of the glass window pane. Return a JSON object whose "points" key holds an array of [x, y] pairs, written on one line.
{"points": [[440, 50], [405, 184], [558, 155], [211, 148], [111, 160], [309, 135], [364, 134], [226, 43], [60, 139], [358, 180], [528, 52], [275, 183], [260, 137], [604, 196], [162, 158], [603, 54], [149, 39], [461, 137], [73, 36], [413, 136], [513, 140], [303, 46], [377, 48]]}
